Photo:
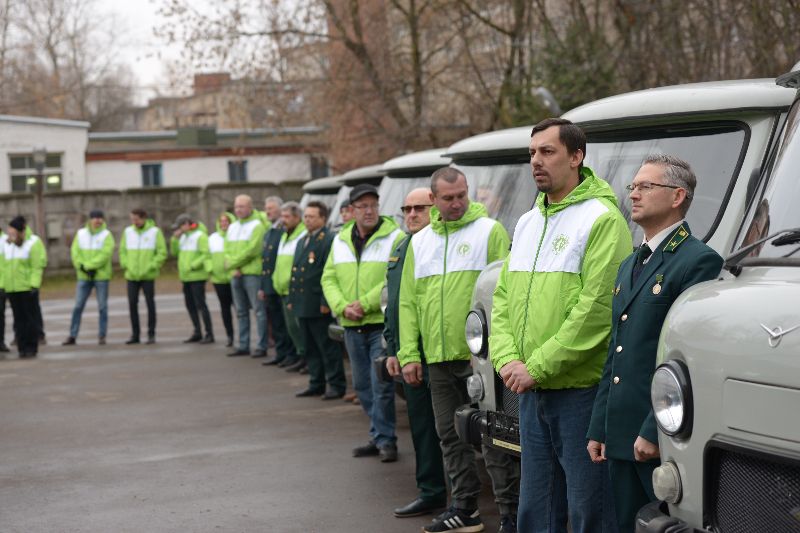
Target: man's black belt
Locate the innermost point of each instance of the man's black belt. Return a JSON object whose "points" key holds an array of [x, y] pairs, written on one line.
{"points": [[365, 328]]}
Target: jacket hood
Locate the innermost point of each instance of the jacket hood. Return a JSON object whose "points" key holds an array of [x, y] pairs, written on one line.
{"points": [[92, 230], [590, 187], [231, 220], [475, 211], [388, 226], [149, 223], [300, 228]]}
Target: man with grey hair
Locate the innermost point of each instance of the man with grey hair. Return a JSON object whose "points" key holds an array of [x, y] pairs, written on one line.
{"points": [[622, 430], [295, 231], [243, 242], [284, 348]]}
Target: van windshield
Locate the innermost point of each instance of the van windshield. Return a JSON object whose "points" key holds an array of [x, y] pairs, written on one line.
{"points": [[776, 206], [393, 193], [713, 151], [335, 219]]}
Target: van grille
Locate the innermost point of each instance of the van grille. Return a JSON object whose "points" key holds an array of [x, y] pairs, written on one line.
{"points": [[510, 402], [753, 493]]}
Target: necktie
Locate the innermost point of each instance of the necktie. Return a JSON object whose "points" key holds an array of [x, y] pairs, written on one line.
{"points": [[641, 256]]}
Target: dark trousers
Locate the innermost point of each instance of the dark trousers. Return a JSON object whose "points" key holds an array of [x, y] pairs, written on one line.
{"points": [[430, 466], [2, 316], [225, 297], [284, 347], [23, 305], [632, 484], [194, 294], [37, 310], [323, 357], [149, 290]]}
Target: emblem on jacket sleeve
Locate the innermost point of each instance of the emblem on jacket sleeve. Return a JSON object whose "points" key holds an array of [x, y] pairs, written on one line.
{"points": [[560, 244], [463, 249]]}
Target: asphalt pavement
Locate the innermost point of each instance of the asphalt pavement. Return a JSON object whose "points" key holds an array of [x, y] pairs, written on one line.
{"points": [[180, 438]]}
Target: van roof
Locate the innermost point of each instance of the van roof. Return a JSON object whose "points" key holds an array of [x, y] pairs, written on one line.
{"points": [[426, 160], [330, 184], [690, 98], [369, 174]]}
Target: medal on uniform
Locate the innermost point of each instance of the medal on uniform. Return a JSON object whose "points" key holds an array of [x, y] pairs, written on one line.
{"points": [[657, 286], [311, 257], [616, 291]]}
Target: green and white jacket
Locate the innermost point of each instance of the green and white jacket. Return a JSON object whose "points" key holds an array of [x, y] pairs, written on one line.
{"points": [[3, 240], [347, 278], [216, 247], [191, 249], [243, 243], [552, 304], [92, 250], [142, 252], [23, 265], [442, 264], [283, 263]]}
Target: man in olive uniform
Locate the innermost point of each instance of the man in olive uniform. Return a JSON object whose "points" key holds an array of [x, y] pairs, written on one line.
{"points": [[308, 304], [670, 260], [284, 348], [429, 464]]}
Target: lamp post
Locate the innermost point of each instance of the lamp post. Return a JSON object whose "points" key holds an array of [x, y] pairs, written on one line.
{"points": [[39, 161]]}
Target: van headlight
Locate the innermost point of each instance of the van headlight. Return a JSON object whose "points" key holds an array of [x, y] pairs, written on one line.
{"points": [[475, 388], [476, 331], [671, 396]]}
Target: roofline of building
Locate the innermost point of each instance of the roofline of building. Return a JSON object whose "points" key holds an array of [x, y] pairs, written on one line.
{"points": [[39, 121], [171, 134]]}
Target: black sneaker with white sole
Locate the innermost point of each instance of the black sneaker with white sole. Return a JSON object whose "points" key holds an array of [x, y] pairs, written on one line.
{"points": [[456, 521]]}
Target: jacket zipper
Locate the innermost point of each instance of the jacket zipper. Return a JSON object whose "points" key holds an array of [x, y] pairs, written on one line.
{"points": [[444, 277], [530, 285]]}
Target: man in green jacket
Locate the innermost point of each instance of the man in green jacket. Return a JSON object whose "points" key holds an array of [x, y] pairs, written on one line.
{"points": [[142, 252], [294, 232], [354, 276], [551, 319], [23, 266], [429, 464], [91, 253], [220, 276], [189, 243], [243, 243], [442, 264], [669, 261], [308, 305], [3, 346]]}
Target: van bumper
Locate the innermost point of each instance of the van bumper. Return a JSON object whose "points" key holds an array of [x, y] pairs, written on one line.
{"points": [[654, 518]]}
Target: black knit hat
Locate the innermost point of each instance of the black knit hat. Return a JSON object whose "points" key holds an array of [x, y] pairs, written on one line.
{"points": [[18, 223]]}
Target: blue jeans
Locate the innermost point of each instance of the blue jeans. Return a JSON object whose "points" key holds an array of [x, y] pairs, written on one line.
{"points": [[376, 396], [558, 480], [245, 297], [82, 293]]}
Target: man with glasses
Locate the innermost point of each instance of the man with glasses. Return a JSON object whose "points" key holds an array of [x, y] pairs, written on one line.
{"points": [[429, 464], [442, 265], [551, 318], [353, 278], [669, 261]]}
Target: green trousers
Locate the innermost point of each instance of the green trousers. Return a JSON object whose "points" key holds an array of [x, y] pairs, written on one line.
{"points": [[293, 327], [323, 356], [430, 466], [632, 485]]}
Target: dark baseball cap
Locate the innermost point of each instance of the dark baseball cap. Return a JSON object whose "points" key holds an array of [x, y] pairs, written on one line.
{"points": [[96, 213], [361, 190]]}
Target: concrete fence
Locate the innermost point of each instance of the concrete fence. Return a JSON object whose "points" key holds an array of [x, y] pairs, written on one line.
{"points": [[67, 211]]}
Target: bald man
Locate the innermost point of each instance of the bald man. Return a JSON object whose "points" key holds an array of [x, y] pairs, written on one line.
{"points": [[430, 468], [243, 243]]}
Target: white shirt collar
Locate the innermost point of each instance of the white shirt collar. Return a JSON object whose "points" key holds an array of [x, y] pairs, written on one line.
{"points": [[659, 237]]}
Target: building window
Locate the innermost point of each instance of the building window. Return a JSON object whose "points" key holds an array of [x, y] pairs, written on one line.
{"points": [[151, 175], [23, 173], [319, 166], [237, 171]]}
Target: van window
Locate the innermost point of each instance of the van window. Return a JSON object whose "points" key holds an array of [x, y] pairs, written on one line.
{"points": [[507, 190], [393, 192], [776, 209]]}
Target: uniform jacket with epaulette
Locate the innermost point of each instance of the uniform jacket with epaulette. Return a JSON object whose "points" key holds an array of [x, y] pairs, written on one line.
{"points": [[272, 239], [305, 286], [622, 409]]}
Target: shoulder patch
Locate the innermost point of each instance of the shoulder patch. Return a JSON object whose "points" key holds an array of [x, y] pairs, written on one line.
{"points": [[680, 235]]}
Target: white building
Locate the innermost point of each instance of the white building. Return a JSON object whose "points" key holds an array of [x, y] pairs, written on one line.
{"points": [[200, 156], [65, 142]]}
